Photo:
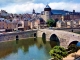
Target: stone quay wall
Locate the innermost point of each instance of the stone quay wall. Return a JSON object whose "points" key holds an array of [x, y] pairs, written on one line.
{"points": [[21, 35]]}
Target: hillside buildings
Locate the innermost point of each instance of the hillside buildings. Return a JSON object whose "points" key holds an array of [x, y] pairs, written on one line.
{"points": [[66, 19], [12, 22]]}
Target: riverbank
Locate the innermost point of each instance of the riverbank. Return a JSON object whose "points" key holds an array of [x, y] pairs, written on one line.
{"points": [[73, 56]]}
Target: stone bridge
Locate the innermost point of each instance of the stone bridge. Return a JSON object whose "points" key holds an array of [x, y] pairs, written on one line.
{"points": [[65, 38]]}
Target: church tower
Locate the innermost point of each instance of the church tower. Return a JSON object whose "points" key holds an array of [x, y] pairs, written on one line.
{"points": [[33, 14], [47, 13]]}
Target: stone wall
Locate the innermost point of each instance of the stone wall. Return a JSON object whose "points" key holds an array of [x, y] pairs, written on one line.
{"points": [[12, 35]]}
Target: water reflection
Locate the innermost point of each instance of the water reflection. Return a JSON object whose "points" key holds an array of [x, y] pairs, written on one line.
{"points": [[7, 48], [28, 48], [35, 39], [16, 41], [53, 43]]}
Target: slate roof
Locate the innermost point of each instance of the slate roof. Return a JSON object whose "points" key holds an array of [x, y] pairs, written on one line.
{"points": [[47, 6], [63, 12]]}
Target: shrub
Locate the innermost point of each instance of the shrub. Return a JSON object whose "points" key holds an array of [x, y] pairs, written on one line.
{"points": [[58, 53]]}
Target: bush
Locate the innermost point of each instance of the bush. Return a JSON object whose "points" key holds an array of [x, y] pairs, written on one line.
{"points": [[58, 53]]}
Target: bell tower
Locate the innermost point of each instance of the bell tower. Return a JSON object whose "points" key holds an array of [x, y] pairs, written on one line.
{"points": [[33, 12], [47, 13]]}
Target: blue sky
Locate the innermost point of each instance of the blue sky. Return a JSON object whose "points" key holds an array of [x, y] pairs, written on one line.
{"points": [[26, 6]]}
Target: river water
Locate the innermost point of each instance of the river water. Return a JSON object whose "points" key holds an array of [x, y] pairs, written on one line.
{"points": [[28, 49]]}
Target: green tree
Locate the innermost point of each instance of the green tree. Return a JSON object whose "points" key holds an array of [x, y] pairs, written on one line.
{"points": [[50, 22], [58, 53]]}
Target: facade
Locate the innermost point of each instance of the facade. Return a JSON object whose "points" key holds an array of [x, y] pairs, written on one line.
{"points": [[49, 13], [11, 22], [67, 19], [6, 24]]}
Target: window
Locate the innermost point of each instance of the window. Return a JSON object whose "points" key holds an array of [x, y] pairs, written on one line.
{"points": [[19, 25]]}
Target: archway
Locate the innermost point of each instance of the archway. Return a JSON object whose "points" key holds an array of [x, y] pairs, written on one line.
{"points": [[54, 40], [53, 37], [72, 47], [35, 35], [17, 38], [73, 42], [44, 38]]}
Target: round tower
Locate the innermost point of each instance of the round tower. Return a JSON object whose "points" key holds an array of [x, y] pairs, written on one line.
{"points": [[47, 11]]}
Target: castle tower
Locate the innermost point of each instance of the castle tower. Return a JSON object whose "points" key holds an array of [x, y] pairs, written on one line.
{"points": [[47, 13]]}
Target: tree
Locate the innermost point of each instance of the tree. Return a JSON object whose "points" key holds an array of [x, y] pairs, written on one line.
{"points": [[58, 53], [50, 22]]}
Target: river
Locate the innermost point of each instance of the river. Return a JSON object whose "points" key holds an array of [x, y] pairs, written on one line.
{"points": [[27, 49]]}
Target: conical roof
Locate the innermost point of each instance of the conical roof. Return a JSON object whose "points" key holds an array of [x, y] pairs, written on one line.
{"points": [[47, 6]]}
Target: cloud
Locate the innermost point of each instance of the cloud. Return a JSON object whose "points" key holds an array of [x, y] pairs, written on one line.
{"points": [[24, 8], [29, 6], [65, 6], [9, 2]]}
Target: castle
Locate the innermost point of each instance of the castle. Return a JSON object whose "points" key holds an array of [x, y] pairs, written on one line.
{"points": [[49, 13], [65, 18]]}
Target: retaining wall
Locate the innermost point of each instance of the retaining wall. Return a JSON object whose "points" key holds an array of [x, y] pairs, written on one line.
{"points": [[12, 35]]}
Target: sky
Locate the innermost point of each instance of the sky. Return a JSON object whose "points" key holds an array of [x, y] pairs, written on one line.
{"points": [[26, 6]]}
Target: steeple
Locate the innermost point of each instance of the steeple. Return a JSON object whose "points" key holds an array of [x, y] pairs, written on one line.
{"points": [[33, 11]]}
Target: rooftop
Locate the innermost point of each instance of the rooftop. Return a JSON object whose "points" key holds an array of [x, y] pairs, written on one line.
{"points": [[47, 6]]}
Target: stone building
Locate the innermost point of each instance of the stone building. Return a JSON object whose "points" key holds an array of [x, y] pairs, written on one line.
{"points": [[49, 13]]}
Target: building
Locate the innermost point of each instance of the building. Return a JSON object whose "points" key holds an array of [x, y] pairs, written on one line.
{"points": [[49, 13]]}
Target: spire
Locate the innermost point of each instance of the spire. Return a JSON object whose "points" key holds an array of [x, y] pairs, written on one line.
{"points": [[47, 6], [33, 11]]}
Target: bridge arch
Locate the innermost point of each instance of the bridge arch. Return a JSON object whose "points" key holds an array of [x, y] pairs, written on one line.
{"points": [[54, 40], [73, 42], [54, 37], [35, 34], [44, 37]]}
